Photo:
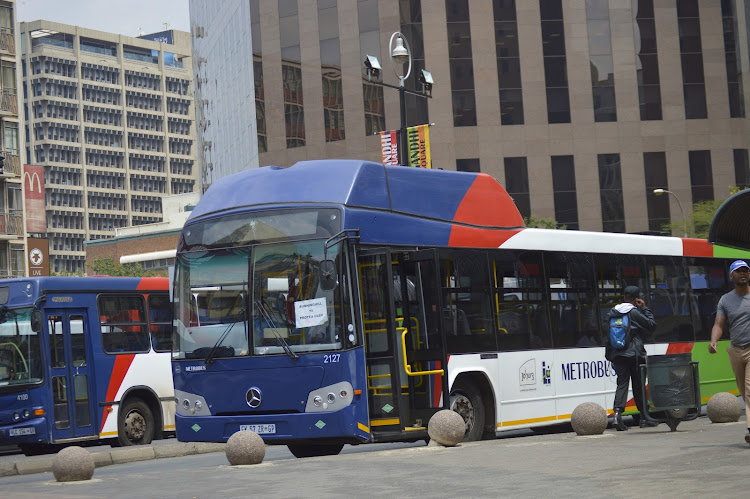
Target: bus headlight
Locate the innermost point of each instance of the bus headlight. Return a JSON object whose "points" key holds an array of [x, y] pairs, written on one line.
{"points": [[26, 413], [16, 416], [189, 404], [198, 405], [186, 404], [324, 397]]}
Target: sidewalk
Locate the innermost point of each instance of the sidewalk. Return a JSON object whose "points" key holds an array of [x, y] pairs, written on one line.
{"points": [[22, 465]]}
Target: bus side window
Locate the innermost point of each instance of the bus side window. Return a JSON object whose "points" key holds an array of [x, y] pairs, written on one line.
{"points": [[123, 324], [160, 322]]}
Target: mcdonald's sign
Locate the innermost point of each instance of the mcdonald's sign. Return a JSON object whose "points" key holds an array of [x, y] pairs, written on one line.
{"points": [[33, 186]]}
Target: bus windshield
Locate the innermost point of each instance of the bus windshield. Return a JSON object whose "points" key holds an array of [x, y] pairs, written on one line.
{"points": [[20, 349], [264, 300]]}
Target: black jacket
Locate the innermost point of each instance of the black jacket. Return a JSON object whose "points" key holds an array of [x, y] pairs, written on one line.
{"points": [[641, 323]]}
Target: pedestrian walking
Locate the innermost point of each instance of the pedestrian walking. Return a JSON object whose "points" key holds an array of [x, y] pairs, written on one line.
{"points": [[733, 314]]}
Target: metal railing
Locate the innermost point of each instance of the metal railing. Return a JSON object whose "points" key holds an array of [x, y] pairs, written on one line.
{"points": [[9, 102], [11, 224], [7, 42], [12, 163]]}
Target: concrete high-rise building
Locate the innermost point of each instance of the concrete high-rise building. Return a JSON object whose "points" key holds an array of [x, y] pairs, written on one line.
{"points": [[581, 109], [12, 231], [111, 119]]}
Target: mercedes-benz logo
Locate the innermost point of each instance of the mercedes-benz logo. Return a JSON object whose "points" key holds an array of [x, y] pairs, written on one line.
{"points": [[253, 397]]}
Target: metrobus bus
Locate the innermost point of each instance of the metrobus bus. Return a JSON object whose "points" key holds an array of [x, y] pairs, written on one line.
{"points": [[344, 301], [84, 359]]}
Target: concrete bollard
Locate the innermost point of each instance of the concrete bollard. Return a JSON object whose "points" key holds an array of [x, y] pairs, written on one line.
{"points": [[724, 407], [73, 464], [245, 447], [589, 418], [446, 427]]}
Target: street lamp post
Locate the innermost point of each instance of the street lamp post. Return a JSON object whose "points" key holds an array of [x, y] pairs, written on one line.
{"points": [[399, 53], [659, 192]]}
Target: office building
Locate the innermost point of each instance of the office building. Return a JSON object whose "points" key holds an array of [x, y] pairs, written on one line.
{"points": [[581, 109], [111, 119]]}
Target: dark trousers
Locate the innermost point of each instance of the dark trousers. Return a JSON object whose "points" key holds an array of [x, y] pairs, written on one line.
{"points": [[627, 369]]}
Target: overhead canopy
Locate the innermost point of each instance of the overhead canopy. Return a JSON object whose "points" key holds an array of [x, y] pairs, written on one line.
{"points": [[731, 223]]}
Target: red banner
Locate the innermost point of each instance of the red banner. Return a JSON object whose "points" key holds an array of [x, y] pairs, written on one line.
{"points": [[33, 186]]}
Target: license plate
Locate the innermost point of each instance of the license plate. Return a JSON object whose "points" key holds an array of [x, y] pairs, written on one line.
{"points": [[17, 432], [260, 429]]}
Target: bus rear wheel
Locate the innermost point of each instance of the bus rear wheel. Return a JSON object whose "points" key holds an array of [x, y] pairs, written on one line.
{"points": [[135, 424], [467, 401], [313, 450]]}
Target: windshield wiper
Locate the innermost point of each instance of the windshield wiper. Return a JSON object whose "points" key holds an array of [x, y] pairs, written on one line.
{"points": [[266, 315], [210, 356]]}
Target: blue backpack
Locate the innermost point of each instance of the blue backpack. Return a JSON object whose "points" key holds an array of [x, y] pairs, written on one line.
{"points": [[619, 331]]}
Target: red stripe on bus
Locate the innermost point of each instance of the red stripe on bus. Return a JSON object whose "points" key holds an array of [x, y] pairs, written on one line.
{"points": [[697, 247], [487, 204], [122, 364], [437, 388], [479, 238], [153, 283]]}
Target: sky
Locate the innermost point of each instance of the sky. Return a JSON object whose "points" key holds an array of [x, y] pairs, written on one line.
{"points": [[125, 17]]}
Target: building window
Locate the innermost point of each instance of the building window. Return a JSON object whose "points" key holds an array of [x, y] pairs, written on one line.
{"points": [[517, 184], [369, 44], [411, 26], [691, 56], [461, 63], [508, 62], [564, 188], [610, 192], [330, 65], [701, 178], [602, 65], [647, 61], [732, 59], [291, 73], [260, 102], [741, 169], [655, 167], [468, 165], [555, 62]]}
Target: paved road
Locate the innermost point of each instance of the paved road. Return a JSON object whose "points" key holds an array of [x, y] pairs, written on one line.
{"points": [[700, 458]]}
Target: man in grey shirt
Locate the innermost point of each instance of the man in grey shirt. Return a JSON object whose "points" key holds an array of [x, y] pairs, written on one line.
{"points": [[733, 311]]}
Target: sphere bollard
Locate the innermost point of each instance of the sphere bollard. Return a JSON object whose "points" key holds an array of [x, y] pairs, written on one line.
{"points": [[589, 418], [73, 464], [724, 407], [446, 427], [245, 447]]}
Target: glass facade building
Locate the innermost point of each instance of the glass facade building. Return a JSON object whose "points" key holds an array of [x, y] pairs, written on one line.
{"points": [[580, 108]]}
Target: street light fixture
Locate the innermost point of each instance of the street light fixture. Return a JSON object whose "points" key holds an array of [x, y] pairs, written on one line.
{"points": [[399, 53], [659, 192]]}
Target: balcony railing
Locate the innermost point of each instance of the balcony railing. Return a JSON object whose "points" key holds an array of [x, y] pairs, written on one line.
{"points": [[7, 42], [12, 163], [9, 102], [11, 224]]}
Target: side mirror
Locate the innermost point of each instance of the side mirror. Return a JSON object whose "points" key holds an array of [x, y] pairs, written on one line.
{"points": [[328, 278], [36, 321]]}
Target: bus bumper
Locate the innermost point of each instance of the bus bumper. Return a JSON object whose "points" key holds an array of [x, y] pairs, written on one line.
{"points": [[28, 431], [341, 426]]}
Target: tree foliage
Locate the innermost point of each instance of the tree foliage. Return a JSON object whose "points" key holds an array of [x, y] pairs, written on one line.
{"points": [[542, 223], [107, 266], [699, 221]]}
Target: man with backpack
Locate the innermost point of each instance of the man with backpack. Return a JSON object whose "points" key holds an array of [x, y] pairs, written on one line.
{"points": [[627, 323]]}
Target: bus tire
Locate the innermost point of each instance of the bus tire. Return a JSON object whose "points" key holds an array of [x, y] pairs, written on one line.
{"points": [[467, 401], [135, 423], [313, 450]]}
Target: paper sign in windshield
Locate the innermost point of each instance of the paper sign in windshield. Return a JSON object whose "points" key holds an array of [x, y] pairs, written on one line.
{"points": [[310, 312]]}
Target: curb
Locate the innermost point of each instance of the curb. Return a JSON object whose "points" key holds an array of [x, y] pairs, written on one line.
{"points": [[43, 464]]}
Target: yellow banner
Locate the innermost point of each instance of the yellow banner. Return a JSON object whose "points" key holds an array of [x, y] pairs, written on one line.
{"points": [[418, 140]]}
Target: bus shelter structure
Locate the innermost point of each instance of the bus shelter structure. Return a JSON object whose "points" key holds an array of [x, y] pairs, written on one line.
{"points": [[731, 223]]}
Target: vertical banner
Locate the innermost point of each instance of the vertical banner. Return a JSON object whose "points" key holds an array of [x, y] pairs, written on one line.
{"points": [[418, 139], [33, 185], [389, 147], [38, 254]]}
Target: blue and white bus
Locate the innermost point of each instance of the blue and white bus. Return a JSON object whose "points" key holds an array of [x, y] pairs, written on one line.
{"points": [[344, 301], [84, 359]]}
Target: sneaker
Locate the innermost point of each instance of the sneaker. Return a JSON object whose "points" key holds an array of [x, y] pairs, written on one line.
{"points": [[747, 438]]}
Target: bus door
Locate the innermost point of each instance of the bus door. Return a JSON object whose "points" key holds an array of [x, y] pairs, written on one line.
{"points": [[405, 346], [70, 374]]}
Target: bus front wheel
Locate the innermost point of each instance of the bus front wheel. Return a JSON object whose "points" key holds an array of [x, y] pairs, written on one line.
{"points": [[467, 401], [313, 450], [135, 425]]}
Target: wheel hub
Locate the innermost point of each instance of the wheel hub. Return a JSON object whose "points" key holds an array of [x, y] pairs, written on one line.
{"points": [[463, 406], [135, 425]]}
